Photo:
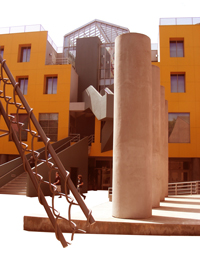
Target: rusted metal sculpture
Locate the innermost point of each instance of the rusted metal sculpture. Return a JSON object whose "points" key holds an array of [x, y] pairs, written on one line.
{"points": [[18, 100]]}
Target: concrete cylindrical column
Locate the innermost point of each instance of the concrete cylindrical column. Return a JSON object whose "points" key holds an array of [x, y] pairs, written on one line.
{"points": [[156, 156], [162, 138], [132, 148]]}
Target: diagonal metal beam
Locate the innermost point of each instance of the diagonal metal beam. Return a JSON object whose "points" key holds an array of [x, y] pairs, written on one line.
{"points": [[64, 174], [34, 180]]}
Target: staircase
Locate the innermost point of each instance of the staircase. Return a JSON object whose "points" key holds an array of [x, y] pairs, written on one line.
{"points": [[15, 187]]}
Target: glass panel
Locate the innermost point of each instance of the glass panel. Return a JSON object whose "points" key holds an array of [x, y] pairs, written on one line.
{"points": [[21, 85], [53, 124], [1, 52], [44, 123], [167, 21], [23, 59], [25, 54], [54, 85], [173, 83], [53, 116], [28, 54], [25, 86], [43, 116], [53, 130], [180, 49], [184, 21], [172, 49], [179, 127], [181, 83], [196, 20], [49, 85], [49, 123]]}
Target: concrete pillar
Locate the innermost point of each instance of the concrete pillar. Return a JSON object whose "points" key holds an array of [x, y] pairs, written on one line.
{"points": [[156, 156], [132, 146], [166, 161], [162, 138]]}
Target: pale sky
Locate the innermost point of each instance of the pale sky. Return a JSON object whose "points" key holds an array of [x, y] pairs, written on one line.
{"points": [[60, 17]]}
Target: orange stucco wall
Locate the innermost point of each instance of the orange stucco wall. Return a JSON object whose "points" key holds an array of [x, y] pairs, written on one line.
{"points": [[36, 70], [96, 146]]}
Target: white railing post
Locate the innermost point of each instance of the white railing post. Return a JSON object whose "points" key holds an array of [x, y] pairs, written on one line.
{"points": [[175, 189]]}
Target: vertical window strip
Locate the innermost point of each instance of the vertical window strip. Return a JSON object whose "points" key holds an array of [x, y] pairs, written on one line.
{"points": [[1, 51], [177, 83], [51, 85], [25, 54], [176, 49], [23, 84], [49, 123]]}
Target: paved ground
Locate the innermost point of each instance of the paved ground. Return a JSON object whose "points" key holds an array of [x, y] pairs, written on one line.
{"points": [[42, 249]]}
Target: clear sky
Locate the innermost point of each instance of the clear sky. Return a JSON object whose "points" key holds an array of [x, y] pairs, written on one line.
{"points": [[60, 17]]}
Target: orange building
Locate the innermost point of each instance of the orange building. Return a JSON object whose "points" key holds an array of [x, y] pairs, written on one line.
{"points": [[45, 85], [179, 69], [54, 83]]}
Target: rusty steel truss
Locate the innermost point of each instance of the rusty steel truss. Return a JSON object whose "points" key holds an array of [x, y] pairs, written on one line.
{"points": [[19, 102]]}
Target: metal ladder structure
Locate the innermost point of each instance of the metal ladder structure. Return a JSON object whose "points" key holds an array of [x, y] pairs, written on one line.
{"points": [[19, 102]]}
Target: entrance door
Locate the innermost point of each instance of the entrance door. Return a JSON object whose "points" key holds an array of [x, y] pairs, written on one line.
{"points": [[103, 173]]}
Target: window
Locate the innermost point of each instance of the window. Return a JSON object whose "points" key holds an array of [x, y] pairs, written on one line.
{"points": [[177, 83], [176, 49], [51, 85], [25, 54], [1, 51], [49, 123], [179, 127], [23, 118], [23, 84]]}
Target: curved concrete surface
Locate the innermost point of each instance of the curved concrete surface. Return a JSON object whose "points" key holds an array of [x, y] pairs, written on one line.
{"points": [[132, 149]]}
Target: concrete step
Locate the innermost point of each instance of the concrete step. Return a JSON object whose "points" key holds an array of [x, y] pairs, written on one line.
{"points": [[176, 215], [15, 187]]}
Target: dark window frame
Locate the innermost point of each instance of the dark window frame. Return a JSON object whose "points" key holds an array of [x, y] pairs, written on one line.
{"points": [[24, 86], [24, 53], [49, 125], [177, 83], [176, 48], [51, 84]]}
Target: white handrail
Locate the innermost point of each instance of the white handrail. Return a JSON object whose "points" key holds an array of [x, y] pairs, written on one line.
{"points": [[181, 188], [184, 188]]}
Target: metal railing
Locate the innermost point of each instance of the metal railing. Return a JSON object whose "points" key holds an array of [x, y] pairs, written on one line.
{"points": [[184, 188], [75, 137], [18, 101], [30, 28], [91, 139], [181, 188], [180, 21]]}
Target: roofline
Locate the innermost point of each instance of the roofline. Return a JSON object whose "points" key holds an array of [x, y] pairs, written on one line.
{"points": [[96, 20]]}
